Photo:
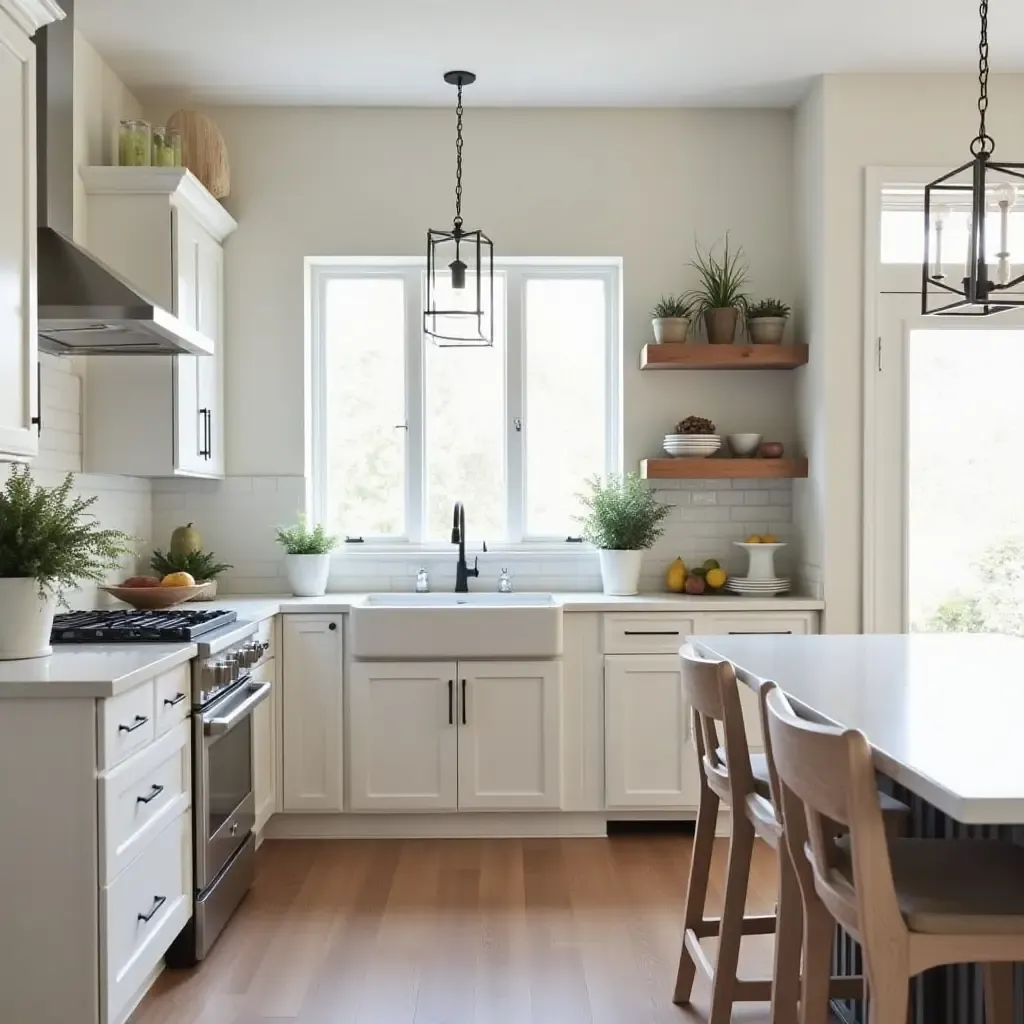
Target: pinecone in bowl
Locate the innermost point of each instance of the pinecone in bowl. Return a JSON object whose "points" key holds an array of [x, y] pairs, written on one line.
{"points": [[695, 425]]}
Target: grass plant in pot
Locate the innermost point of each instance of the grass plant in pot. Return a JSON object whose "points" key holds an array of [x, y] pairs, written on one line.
{"points": [[766, 321], [307, 556], [623, 519], [670, 319], [49, 542], [720, 298]]}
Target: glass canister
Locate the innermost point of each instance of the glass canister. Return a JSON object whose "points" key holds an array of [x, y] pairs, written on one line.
{"points": [[133, 144], [166, 147], [175, 136]]}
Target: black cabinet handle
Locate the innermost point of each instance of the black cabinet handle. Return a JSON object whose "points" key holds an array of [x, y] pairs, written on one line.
{"points": [[37, 420], [463, 701], [140, 721], [153, 794], [176, 699], [652, 632], [205, 433], [759, 632], [451, 701], [332, 625], [158, 902], [209, 433]]}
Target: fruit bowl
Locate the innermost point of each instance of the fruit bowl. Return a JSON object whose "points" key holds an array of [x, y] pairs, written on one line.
{"points": [[151, 598]]}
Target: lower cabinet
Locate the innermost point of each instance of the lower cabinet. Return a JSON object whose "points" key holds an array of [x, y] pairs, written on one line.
{"points": [[445, 736]]}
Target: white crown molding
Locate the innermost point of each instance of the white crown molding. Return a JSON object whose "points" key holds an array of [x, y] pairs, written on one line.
{"points": [[182, 188], [32, 15]]}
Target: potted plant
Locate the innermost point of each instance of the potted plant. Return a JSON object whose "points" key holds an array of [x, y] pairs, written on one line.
{"points": [[670, 319], [622, 520], [766, 321], [720, 298], [307, 557], [202, 566], [49, 542]]}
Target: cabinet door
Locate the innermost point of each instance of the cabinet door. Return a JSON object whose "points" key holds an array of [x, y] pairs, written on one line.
{"points": [[510, 735], [403, 737], [312, 680], [264, 747], [649, 760], [209, 320], [189, 432], [18, 394]]}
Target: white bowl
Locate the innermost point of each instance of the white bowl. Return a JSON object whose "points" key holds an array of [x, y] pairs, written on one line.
{"points": [[692, 437], [744, 445]]}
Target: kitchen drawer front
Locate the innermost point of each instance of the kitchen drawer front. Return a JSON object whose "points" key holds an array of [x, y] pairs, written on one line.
{"points": [[758, 622], [646, 633], [172, 698], [125, 724], [140, 797], [156, 886], [265, 634]]}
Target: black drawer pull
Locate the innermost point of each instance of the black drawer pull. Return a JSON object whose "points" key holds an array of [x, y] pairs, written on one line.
{"points": [[140, 721], [760, 632], [652, 632], [332, 625], [176, 699], [451, 701], [153, 794], [158, 902], [463, 701]]}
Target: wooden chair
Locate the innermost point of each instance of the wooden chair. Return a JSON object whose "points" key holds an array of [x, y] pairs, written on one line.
{"points": [[912, 904]]}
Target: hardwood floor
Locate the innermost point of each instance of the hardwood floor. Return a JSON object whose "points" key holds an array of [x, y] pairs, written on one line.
{"points": [[459, 931]]}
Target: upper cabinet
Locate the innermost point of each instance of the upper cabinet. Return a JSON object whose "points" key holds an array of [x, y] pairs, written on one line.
{"points": [[159, 415]]}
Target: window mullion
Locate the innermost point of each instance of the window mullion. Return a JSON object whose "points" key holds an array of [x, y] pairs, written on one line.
{"points": [[515, 405], [415, 450]]}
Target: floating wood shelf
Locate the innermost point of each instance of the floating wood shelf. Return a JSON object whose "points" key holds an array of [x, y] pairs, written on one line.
{"points": [[722, 357], [722, 469]]}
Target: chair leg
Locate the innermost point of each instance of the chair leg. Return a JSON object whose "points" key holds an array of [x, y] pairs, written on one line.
{"points": [[889, 994], [697, 887], [999, 993], [819, 932], [788, 940], [723, 988]]}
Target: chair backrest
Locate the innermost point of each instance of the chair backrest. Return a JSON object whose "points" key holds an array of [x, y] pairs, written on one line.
{"points": [[826, 776]]}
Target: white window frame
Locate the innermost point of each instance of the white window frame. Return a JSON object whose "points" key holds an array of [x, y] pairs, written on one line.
{"points": [[319, 270]]}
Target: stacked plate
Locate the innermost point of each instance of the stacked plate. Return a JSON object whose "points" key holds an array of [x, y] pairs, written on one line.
{"points": [[692, 446], [757, 588]]}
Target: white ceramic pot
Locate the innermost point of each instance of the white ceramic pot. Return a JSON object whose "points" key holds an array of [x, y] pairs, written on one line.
{"points": [[25, 620], [670, 329], [766, 330], [307, 574], [620, 572]]}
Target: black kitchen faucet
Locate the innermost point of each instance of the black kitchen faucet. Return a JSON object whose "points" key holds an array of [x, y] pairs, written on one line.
{"points": [[462, 571]]}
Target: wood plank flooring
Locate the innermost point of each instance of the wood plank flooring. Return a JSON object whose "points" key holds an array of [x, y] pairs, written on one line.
{"points": [[540, 931]]}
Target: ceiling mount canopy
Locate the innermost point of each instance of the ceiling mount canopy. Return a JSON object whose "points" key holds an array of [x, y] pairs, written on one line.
{"points": [[981, 281], [460, 265]]}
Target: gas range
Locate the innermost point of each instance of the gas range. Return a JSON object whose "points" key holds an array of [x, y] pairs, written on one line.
{"points": [[172, 625]]}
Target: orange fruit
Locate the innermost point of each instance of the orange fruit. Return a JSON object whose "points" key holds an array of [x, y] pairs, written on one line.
{"points": [[178, 579]]}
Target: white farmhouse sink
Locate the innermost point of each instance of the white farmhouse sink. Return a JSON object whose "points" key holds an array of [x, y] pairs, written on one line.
{"points": [[424, 626]]}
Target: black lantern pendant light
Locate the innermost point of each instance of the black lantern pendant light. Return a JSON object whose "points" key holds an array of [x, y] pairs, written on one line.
{"points": [[979, 285], [460, 266]]}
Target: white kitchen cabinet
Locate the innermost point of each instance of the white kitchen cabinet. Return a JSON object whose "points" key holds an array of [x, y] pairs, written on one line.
{"points": [[404, 737], [510, 735], [159, 416], [650, 762], [264, 743], [19, 436], [756, 622], [312, 667]]}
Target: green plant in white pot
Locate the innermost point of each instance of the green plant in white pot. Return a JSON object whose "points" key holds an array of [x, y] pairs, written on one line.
{"points": [[623, 519], [307, 556], [49, 543], [670, 319], [766, 321]]}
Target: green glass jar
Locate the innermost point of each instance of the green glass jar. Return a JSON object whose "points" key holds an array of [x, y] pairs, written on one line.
{"points": [[134, 144], [163, 147]]}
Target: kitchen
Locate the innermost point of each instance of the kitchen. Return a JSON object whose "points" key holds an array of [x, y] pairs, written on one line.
{"points": [[543, 740]]}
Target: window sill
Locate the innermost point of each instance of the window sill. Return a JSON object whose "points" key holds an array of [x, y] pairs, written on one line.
{"points": [[378, 550]]}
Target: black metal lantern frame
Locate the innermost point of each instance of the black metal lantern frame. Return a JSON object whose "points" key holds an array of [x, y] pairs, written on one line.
{"points": [[464, 317]]}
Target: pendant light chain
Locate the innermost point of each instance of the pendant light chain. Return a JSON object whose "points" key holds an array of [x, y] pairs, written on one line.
{"points": [[458, 157], [983, 143]]}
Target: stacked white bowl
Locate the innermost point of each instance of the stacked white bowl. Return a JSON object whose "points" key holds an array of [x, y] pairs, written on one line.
{"points": [[692, 446], [760, 579]]}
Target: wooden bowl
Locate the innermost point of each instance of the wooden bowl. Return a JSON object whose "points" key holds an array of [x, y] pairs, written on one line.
{"points": [[152, 598]]}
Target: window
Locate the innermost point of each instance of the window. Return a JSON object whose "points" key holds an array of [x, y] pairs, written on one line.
{"points": [[401, 429]]}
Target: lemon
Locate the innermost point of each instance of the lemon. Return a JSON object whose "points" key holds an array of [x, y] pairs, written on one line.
{"points": [[675, 577], [178, 579], [769, 538], [716, 578], [753, 539]]}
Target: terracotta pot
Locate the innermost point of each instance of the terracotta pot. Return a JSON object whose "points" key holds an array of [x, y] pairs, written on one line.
{"points": [[720, 325], [670, 330], [766, 330]]}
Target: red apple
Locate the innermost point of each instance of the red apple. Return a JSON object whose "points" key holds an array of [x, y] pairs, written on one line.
{"points": [[142, 581]]}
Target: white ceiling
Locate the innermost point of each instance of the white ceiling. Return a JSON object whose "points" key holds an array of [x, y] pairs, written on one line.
{"points": [[533, 52]]}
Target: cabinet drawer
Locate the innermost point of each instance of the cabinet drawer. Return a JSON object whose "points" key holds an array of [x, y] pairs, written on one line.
{"points": [[125, 724], [140, 797], [646, 633], [142, 912], [758, 622], [172, 698]]}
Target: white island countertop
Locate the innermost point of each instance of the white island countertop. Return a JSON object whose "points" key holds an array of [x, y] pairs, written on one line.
{"points": [[944, 713]]}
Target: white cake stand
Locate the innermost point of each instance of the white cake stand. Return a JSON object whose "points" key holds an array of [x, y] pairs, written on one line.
{"points": [[762, 559]]}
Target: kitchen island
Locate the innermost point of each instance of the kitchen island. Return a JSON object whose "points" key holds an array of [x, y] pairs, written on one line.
{"points": [[943, 715]]}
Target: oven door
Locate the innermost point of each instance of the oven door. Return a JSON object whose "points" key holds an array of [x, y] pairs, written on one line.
{"points": [[225, 810]]}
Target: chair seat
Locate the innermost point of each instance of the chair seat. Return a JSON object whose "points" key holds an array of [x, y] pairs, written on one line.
{"points": [[758, 768], [955, 886]]}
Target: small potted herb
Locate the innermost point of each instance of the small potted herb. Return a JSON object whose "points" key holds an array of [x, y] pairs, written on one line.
{"points": [[766, 321], [202, 566], [622, 519], [49, 543], [670, 319], [720, 298], [307, 557]]}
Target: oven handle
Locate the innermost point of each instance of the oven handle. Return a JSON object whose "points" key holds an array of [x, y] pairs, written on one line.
{"points": [[218, 726]]}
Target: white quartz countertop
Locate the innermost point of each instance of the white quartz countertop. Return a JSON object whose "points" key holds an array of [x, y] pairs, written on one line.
{"points": [[944, 713]]}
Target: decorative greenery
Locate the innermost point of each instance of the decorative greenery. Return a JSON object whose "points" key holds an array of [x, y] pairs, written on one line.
{"points": [[722, 280], [672, 307], [767, 307], [300, 540], [622, 513], [50, 536], [200, 565]]}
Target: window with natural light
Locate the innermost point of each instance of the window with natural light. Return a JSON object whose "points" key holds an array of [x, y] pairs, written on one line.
{"points": [[403, 428]]}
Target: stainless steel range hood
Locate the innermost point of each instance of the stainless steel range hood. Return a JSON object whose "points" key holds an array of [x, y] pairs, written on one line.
{"points": [[85, 308]]}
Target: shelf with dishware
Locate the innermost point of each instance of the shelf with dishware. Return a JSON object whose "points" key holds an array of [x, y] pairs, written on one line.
{"points": [[715, 468], [688, 356]]}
